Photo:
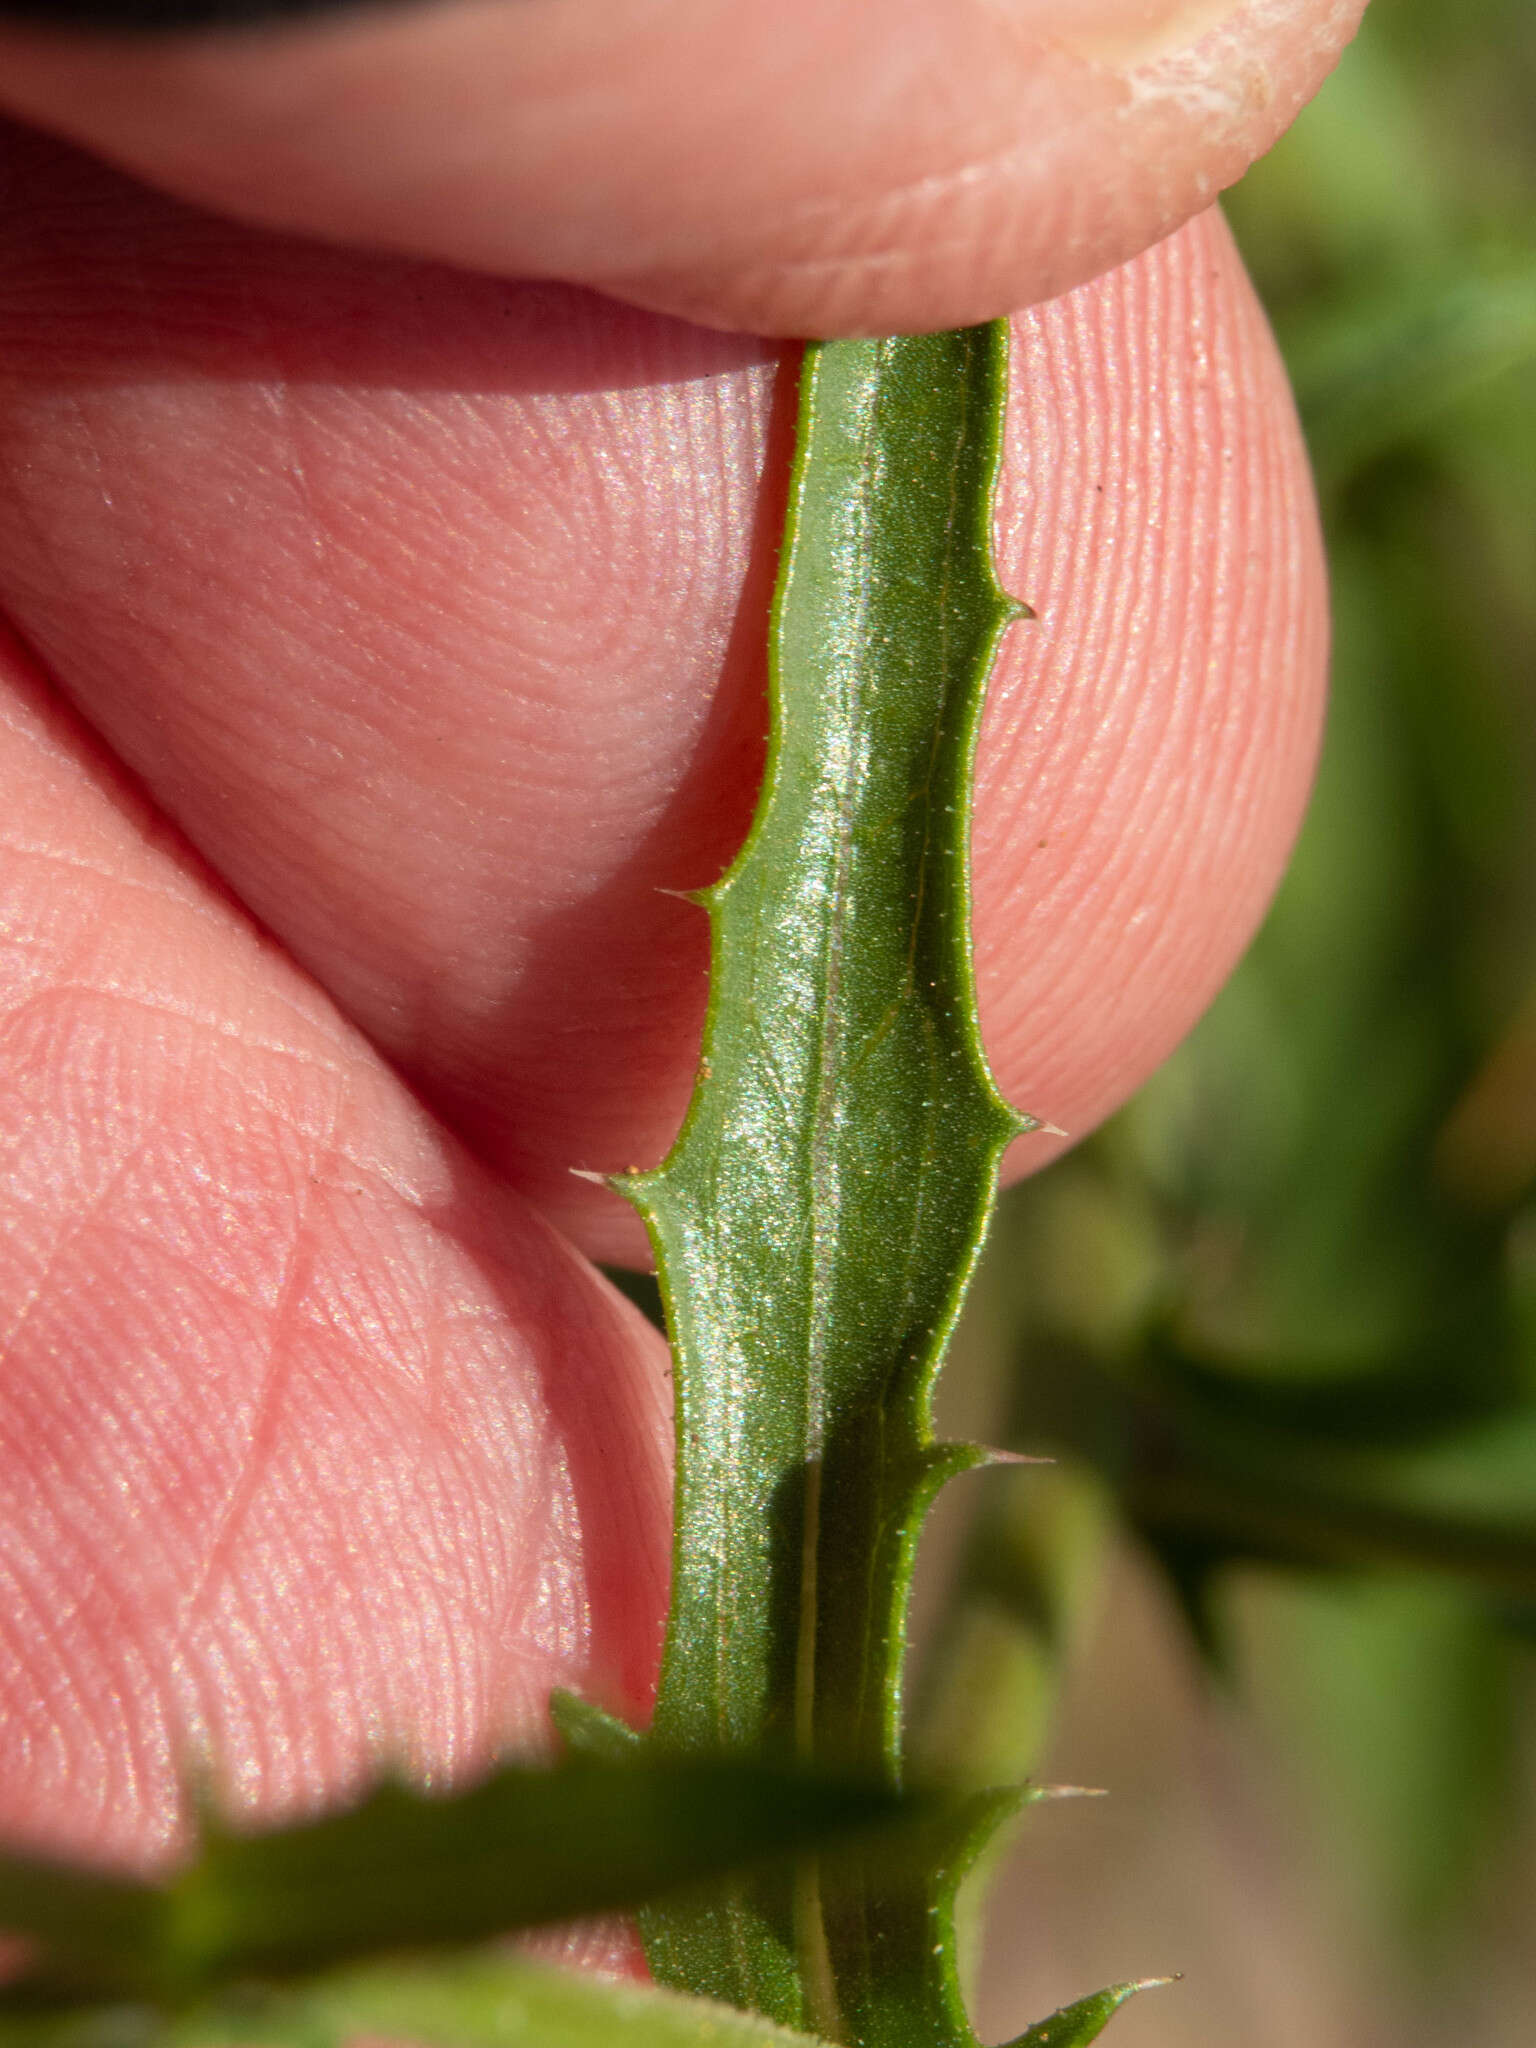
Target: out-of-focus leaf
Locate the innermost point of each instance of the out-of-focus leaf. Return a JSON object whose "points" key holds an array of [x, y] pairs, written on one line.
{"points": [[985, 1701], [1192, 1472], [488, 2001], [406, 1869]]}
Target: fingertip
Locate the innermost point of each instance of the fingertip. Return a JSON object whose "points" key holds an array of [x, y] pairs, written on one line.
{"points": [[319, 1448], [1150, 740], [1072, 139], [808, 169]]}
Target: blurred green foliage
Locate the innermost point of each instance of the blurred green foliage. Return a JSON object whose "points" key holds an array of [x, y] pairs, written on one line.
{"points": [[1285, 1304]]}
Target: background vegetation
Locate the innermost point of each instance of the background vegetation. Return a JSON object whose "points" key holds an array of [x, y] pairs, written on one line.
{"points": [[1280, 1316]]}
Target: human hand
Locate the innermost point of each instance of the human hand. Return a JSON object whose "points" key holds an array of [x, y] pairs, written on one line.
{"points": [[864, 166], [430, 608]]}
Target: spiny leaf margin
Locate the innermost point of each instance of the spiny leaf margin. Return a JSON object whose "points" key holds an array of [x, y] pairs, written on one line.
{"points": [[816, 1223], [1075, 2025]]}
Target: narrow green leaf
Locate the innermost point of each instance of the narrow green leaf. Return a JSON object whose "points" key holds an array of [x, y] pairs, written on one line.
{"points": [[406, 1870], [485, 2001], [816, 1224], [1201, 1477]]}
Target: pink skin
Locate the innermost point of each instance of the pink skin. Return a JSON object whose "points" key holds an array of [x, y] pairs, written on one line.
{"points": [[423, 616], [814, 167]]}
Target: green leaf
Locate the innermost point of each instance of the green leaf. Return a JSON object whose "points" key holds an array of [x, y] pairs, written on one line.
{"points": [[817, 1221], [489, 2001], [482, 2001], [406, 1870], [1076, 2025]]}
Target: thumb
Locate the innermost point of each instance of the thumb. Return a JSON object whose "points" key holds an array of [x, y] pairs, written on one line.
{"points": [[819, 167]]}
